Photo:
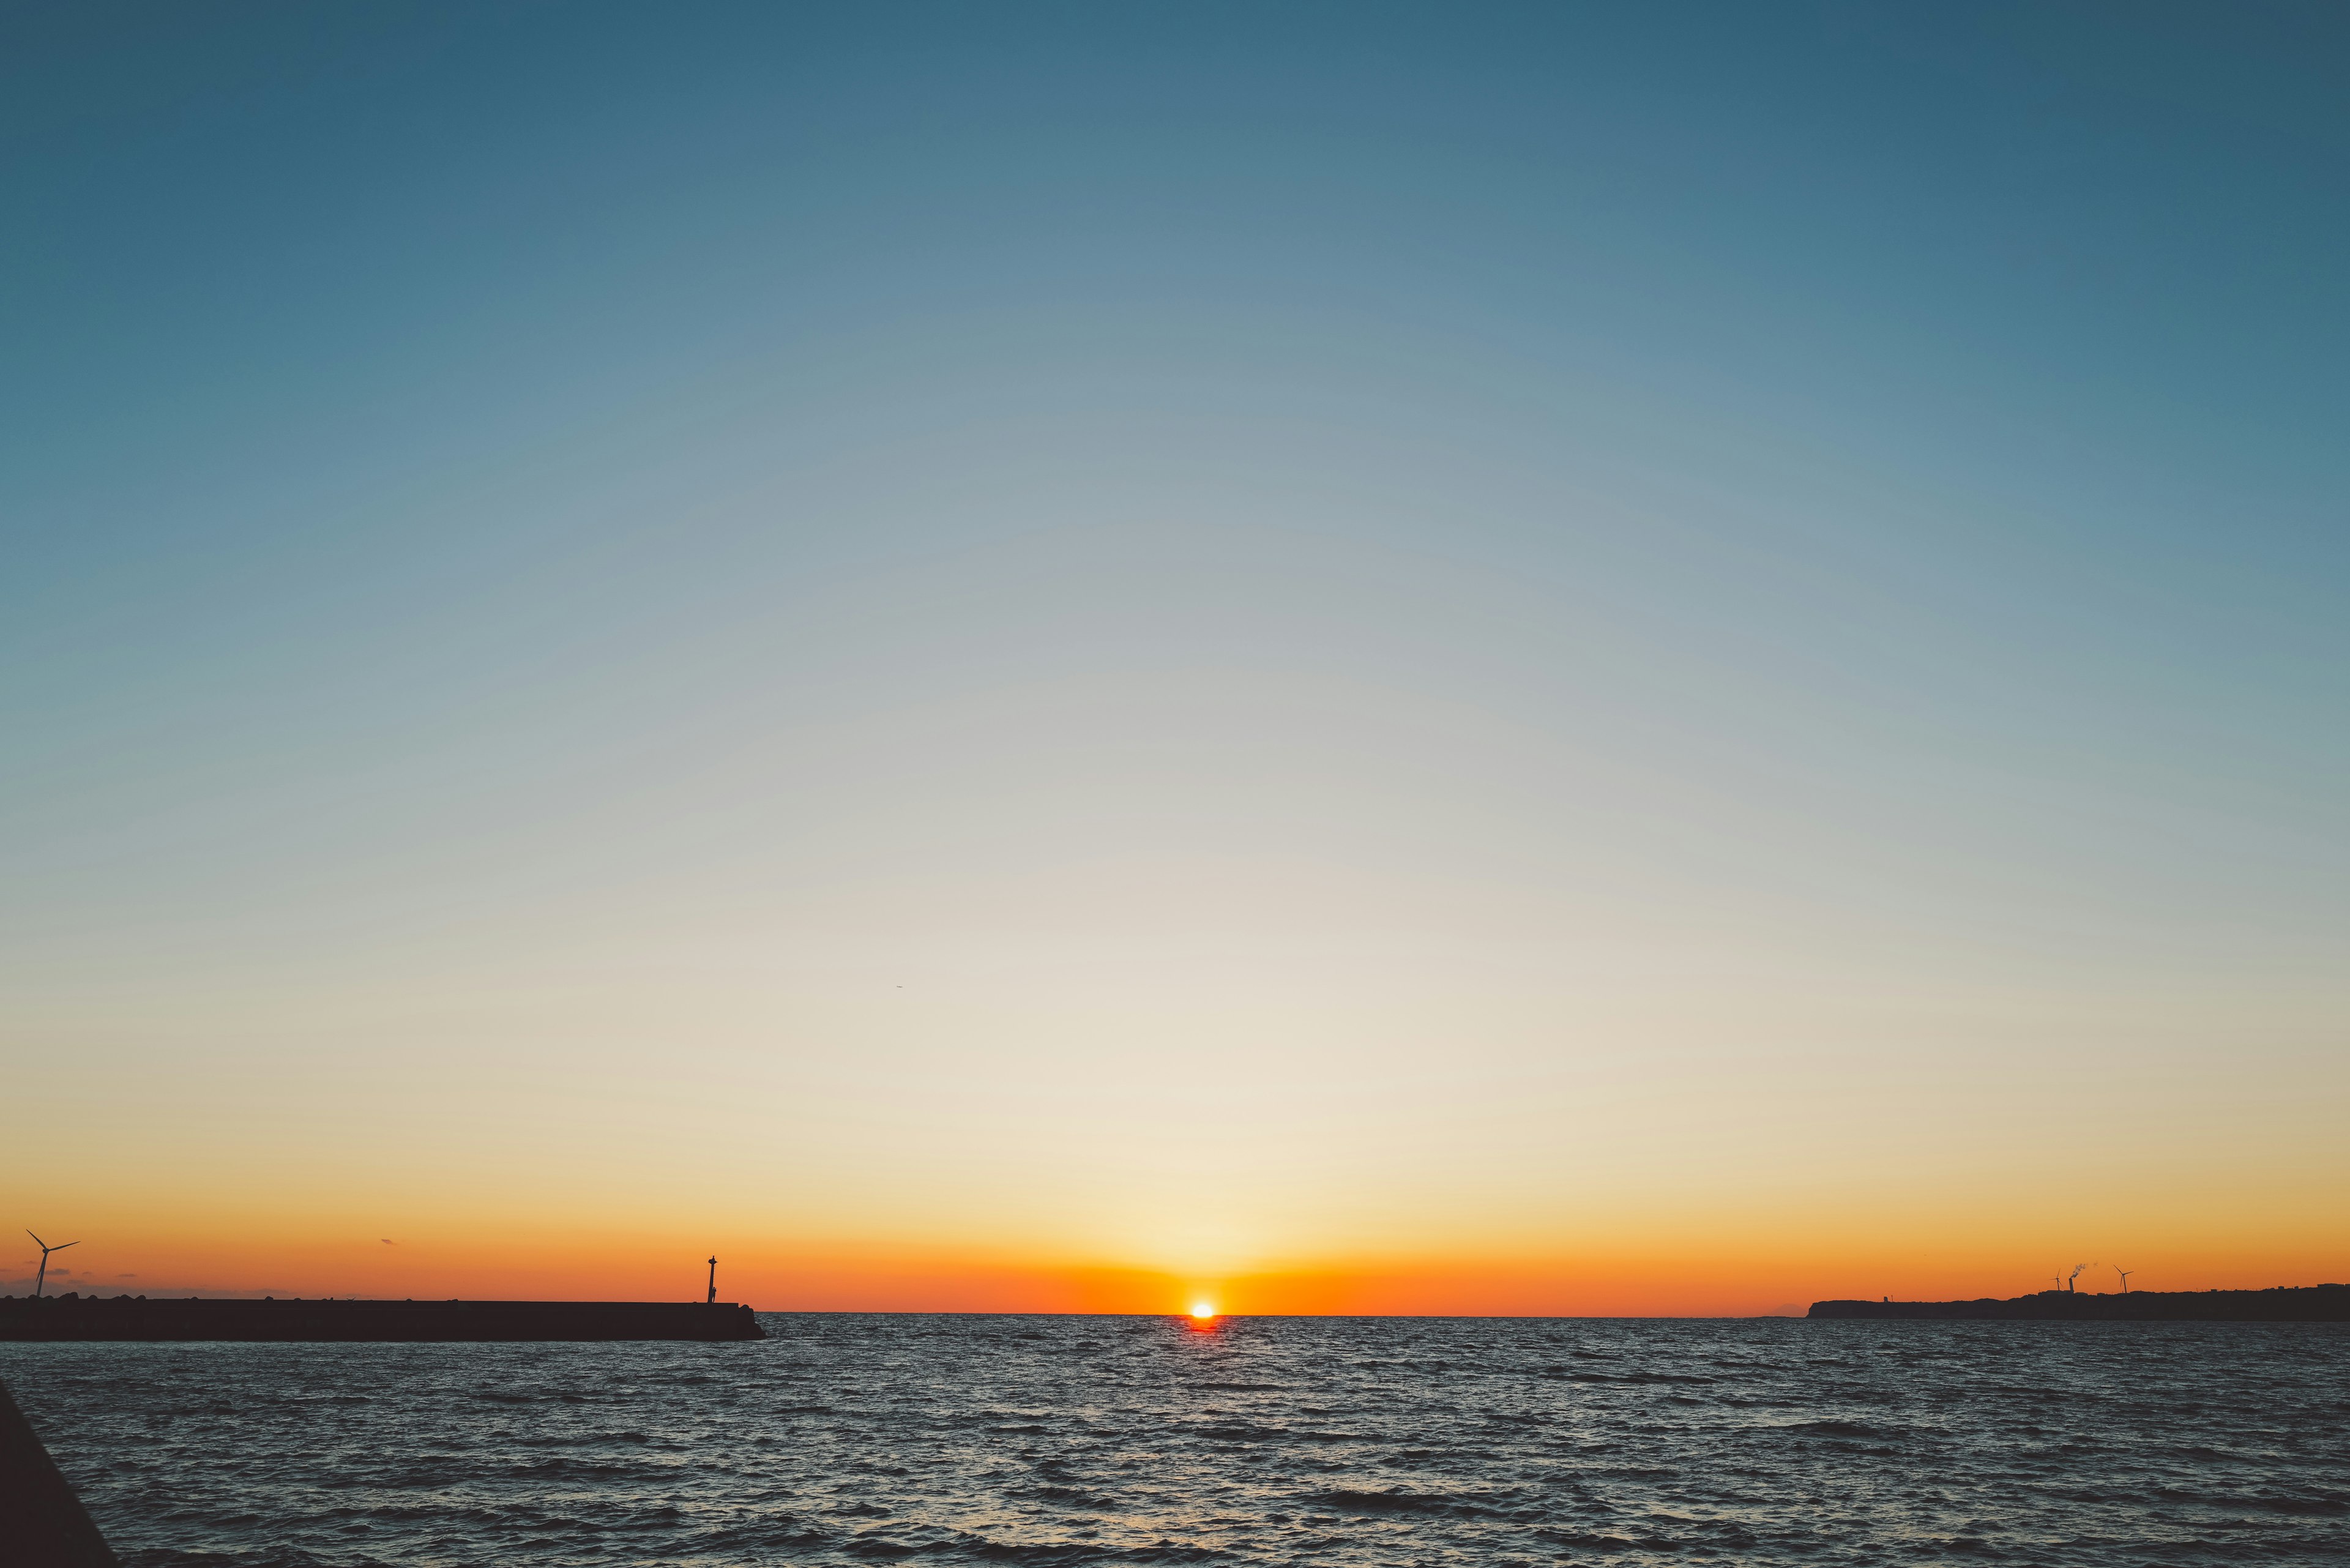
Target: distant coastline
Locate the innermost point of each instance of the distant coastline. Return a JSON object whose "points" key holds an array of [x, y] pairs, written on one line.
{"points": [[2282, 1304]]}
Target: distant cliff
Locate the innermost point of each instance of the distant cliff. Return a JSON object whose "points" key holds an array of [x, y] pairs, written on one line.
{"points": [[137, 1318], [2285, 1303]]}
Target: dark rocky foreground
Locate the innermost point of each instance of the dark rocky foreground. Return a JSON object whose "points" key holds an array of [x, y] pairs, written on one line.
{"points": [[2284, 1303], [136, 1318], [42, 1523]]}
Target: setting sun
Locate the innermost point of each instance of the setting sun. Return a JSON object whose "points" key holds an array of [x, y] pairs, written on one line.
{"points": [[1203, 1310]]}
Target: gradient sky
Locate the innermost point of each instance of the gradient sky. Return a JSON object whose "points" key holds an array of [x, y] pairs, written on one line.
{"points": [[1645, 659]]}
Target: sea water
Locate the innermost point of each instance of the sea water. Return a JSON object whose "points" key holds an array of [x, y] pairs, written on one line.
{"points": [[852, 1438]]}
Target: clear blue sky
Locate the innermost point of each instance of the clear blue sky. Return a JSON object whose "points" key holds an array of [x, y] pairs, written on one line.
{"points": [[1545, 540]]}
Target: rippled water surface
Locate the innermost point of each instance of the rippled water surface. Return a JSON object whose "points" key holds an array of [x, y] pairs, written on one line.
{"points": [[851, 1439]]}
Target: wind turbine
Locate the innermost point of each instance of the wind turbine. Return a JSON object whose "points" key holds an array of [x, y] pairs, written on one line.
{"points": [[2124, 1273], [46, 1250]]}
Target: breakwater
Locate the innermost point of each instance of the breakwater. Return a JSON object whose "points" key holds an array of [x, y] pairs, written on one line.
{"points": [[2284, 1303], [73, 1317]]}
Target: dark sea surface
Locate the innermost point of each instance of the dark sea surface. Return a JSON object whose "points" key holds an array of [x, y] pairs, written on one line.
{"points": [[1071, 1440]]}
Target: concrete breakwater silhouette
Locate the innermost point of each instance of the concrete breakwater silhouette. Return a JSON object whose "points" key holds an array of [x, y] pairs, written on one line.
{"points": [[74, 1317], [2284, 1304]]}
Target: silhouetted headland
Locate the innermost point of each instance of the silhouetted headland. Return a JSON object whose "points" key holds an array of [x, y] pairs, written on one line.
{"points": [[137, 1318], [2284, 1304]]}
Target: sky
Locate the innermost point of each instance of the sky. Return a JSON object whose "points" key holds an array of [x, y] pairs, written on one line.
{"points": [[1646, 660]]}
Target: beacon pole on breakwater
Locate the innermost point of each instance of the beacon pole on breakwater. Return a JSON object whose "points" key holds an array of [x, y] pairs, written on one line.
{"points": [[712, 1300]]}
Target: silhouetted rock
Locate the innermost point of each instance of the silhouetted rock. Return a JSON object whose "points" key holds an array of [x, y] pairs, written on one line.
{"points": [[42, 1523]]}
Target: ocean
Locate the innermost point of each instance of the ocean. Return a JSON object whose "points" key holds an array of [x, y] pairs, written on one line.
{"points": [[864, 1438]]}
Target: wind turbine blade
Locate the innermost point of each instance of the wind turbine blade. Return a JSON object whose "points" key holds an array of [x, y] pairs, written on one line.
{"points": [[38, 1242]]}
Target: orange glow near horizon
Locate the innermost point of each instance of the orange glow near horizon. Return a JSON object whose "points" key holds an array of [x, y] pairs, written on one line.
{"points": [[545, 1231], [1690, 1273]]}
